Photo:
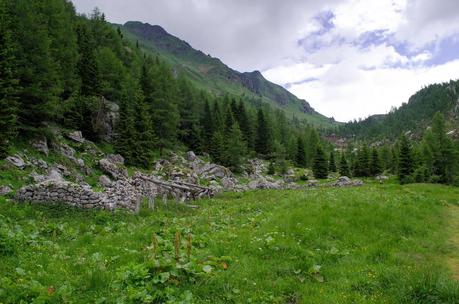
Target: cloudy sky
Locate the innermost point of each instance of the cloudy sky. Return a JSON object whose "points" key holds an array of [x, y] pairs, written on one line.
{"points": [[347, 58]]}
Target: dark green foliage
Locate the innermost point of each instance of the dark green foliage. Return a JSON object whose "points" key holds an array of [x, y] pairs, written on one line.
{"points": [[405, 160], [207, 123], [8, 84], [362, 162], [344, 166], [375, 162], [217, 151], [263, 137], [125, 141], [300, 158], [444, 155], [331, 162], [235, 149], [320, 165], [87, 64], [36, 67], [142, 151]]}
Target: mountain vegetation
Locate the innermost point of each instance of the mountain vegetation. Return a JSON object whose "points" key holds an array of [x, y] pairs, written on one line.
{"points": [[213, 76], [58, 67]]}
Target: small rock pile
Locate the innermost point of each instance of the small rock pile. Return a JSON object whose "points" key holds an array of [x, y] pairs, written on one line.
{"points": [[345, 181]]}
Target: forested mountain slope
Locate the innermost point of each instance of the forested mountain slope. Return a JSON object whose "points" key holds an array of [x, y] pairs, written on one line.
{"points": [[414, 116], [77, 72], [214, 76]]}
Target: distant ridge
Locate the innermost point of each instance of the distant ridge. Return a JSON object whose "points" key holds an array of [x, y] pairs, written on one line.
{"points": [[211, 74]]}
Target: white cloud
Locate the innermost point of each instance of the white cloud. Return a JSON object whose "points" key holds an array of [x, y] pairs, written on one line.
{"points": [[370, 92]]}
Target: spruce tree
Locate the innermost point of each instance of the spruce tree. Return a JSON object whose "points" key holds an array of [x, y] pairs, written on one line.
{"points": [[235, 149], [262, 144], [444, 156], [244, 124], [362, 163], [37, 69], [300, 158], [144, 134], [87, 64], [320, 165], [331, 162], [375, 162], [344, 166], [8, 84], [126, 135], [207, 124], [405, 160], [218, 147]]}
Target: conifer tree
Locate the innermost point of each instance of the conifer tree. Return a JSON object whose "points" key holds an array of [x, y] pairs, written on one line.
{"points": [[313, 141], [244, 124], [331, 162], [8, 84], [362, 164], [405, 160], [344, 166], [235, 149], [262, 144], [87, 64], [375, 162], [218, 147], [37, 70], [300, 158], [207, 124], [125, 138], [444, 156], [144, 135], [320, 165]]}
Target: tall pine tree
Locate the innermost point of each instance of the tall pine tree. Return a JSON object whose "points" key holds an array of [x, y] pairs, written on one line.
{"points": [[8, 83], [320, 165], [405, 160]]}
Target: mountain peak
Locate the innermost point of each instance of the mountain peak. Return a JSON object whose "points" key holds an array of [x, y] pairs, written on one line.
{"points": [[213, 75]]}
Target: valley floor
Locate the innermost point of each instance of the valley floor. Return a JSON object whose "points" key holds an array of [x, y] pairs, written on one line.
{"points": [[370, 244]]}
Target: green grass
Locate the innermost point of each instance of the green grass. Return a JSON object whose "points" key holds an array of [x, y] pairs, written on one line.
{"points": [[371, 244]]}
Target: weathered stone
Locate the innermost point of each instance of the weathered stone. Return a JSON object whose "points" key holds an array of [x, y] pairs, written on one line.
{"points": [[54, 174], [76, 136], [116, 158], [313, 183], [228, 183], [190, 156], [40, 163], [105, 120], [16, 161], [263, 183], [344, 181], [5, 190], [66, 150], [105, 181], [41, 144], [116, 170]]}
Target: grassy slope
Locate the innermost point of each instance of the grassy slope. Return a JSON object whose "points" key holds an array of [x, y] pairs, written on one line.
{"points": [[375, 244], [196, 66]]}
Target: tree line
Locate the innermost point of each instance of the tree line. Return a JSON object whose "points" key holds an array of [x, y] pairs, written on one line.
{"points": [[433, 159], [56, 66]]}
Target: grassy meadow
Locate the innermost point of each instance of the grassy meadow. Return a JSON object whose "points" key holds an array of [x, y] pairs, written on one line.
{"points": [[370, 244]]}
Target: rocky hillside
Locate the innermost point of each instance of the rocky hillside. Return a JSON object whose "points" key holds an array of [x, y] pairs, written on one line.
{"points": [[65, 168], [211, 74]]}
